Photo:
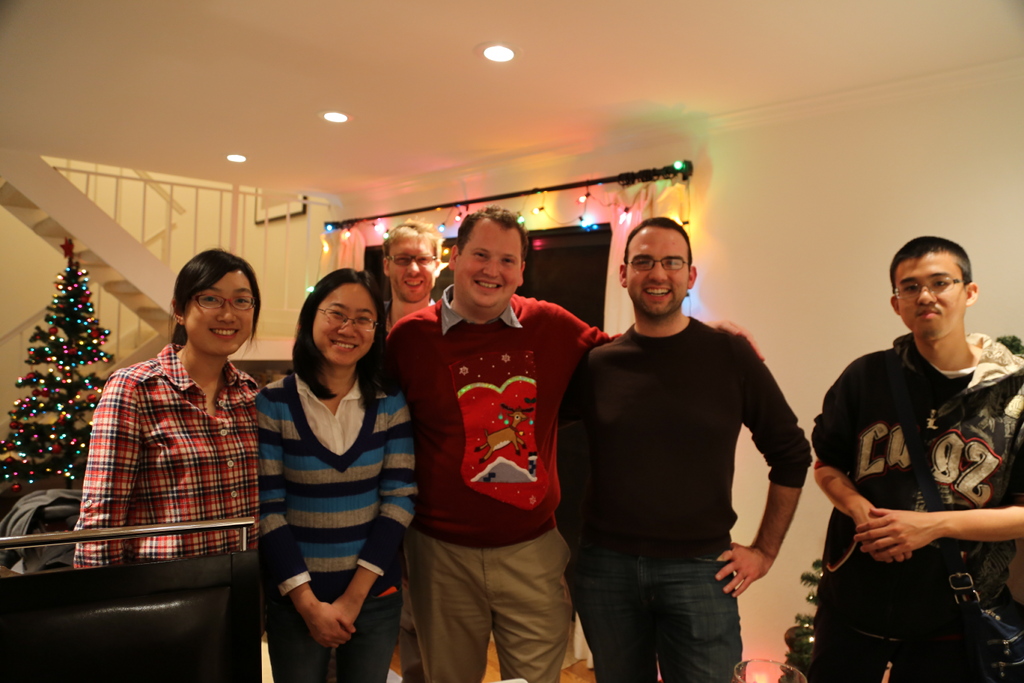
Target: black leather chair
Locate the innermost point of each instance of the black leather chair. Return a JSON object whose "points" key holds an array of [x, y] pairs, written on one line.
{"points": [[184, 621]]}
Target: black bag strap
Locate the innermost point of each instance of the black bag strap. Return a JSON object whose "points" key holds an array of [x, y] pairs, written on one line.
{"points": [[959, 579]]}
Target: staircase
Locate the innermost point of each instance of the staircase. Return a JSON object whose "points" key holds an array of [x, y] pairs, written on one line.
{"points": [[133, 231], [53, 208]]}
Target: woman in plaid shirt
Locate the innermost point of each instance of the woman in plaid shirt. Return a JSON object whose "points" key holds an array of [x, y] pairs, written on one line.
{"points": [[174, 438], [336, 488]]}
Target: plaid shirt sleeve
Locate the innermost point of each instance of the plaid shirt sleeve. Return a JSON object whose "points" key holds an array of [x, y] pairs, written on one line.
{"points": [[111, 470]]}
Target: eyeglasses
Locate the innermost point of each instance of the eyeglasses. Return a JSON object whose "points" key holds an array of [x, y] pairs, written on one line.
{"points": [[239, 303], [937, 286], [668, 263], [403, 260], [338, 318]]}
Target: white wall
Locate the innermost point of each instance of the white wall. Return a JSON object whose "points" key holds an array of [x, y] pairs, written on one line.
{"points": [[794, 225], [27, 279], [805, 217]]}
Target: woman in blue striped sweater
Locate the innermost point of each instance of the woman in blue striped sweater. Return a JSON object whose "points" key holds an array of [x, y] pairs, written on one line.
{"points": [[336, 491]]}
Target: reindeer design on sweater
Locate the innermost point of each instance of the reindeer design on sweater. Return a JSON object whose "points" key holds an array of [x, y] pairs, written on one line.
{"points": [[505, 436]]}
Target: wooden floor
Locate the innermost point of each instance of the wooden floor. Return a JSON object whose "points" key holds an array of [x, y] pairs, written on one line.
{"points": [[575, 672]]}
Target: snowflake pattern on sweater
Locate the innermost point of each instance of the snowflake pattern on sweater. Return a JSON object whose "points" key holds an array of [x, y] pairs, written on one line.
{"points": [[497, 394]]}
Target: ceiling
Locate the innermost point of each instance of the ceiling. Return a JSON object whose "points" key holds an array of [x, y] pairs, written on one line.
{"points": [[174, 87]]}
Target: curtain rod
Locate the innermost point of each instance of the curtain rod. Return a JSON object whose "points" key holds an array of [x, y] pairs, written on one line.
{"points": [[683, 168]]}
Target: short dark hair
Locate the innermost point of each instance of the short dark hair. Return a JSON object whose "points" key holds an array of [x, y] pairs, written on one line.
{"points": [[503, 217], [203, 271], [922, 246], [307, 360], [658, 222]]}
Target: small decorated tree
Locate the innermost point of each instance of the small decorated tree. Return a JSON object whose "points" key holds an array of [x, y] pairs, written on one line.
{"points": [[1013, 343], [50, 427], [800, 638]]}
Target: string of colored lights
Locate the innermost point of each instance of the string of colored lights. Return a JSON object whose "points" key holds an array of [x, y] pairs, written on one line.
{"points": [[684, 169]]}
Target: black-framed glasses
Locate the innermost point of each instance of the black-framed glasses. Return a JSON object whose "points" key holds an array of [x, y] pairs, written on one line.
{"points": [[340, 319], [239, 303], [424, 261], [937, 286], [668, 263]]}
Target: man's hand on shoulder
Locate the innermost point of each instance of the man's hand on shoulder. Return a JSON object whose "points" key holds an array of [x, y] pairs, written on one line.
{"points": [[734, 329], [746, 565]]}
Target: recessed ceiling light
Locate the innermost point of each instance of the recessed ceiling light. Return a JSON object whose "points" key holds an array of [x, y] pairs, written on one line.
{"points": [[498, 53], [335, 116], [237, 158]]}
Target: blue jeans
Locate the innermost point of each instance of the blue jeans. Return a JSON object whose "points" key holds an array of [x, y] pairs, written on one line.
{"points": [[296, 658], [639, 613]]}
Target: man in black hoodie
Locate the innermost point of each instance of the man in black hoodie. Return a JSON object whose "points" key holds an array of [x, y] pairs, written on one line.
{"points": [[885, 594]]}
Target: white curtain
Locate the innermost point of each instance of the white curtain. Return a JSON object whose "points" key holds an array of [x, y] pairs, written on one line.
{"points": [[342, 249], [660, 198]]}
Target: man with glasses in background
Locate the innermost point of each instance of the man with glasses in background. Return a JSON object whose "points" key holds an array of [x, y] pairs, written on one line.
{"points": [[412, 260], [885, 595], [663, 404]]}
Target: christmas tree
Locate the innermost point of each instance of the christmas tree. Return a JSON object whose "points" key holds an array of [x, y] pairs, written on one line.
{"points": [[1013, 343], [800, 638], [49, 428]]}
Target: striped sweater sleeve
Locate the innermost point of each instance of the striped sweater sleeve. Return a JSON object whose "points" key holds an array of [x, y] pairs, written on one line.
{"points": [[396, 487], [278, 546]]}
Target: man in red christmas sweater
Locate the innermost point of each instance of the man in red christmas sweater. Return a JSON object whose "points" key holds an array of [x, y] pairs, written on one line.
{"points": [[484, 372]]}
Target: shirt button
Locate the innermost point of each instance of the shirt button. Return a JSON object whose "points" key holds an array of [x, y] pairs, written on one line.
{"points": [[222, 404], [231, 463], [224, 432], [87, 503], [234, 494]]}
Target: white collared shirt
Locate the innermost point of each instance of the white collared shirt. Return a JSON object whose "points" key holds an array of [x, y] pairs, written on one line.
{"points": [[337, 431], [450, 317]]}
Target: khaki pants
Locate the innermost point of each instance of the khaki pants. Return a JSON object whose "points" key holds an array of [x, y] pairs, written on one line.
{"points": [[460, 595], [409, 645]]}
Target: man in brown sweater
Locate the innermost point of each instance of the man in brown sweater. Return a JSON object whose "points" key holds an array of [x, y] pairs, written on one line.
{"points": [[658, 571]]}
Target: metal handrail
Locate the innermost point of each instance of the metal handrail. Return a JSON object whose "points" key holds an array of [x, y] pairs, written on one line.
{"points": [[126, 532]]}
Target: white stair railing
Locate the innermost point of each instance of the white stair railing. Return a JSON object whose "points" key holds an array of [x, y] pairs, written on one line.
{"points": [[175, 218]]}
